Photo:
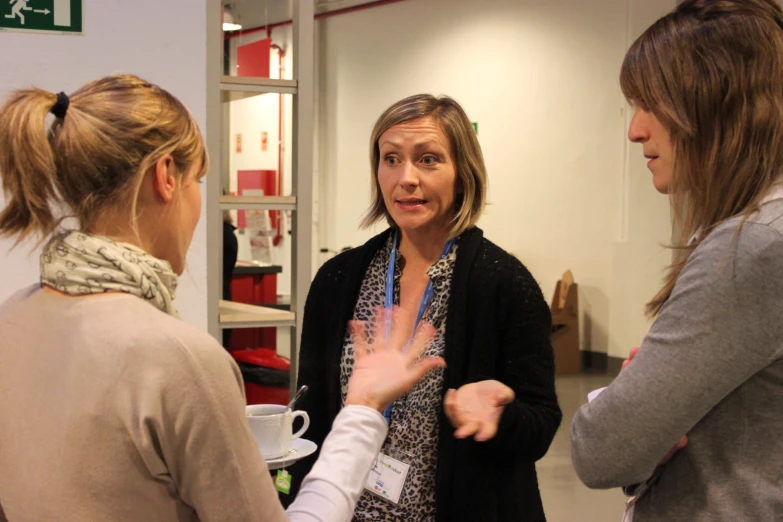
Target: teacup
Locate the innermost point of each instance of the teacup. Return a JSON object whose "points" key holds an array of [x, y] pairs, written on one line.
{"points": [[271, 425]]}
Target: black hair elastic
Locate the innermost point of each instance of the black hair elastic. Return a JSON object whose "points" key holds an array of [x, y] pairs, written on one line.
{"points": [[61, 105]]}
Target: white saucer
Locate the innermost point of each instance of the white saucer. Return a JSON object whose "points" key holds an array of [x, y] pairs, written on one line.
{"points": [[300, 448]]}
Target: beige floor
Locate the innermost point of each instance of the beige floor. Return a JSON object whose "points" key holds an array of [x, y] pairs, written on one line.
{"points": [[565, 498]]}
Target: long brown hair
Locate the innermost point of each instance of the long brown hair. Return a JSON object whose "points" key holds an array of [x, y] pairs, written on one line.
{"points": [[93, 160], [711, 71], [465, 149]]}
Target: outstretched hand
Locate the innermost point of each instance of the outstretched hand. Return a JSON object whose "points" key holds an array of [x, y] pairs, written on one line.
{"points": [[384, 371], [475, 408]]}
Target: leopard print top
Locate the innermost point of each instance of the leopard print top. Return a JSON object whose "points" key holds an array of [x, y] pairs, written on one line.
{"points": [[414, 423]]}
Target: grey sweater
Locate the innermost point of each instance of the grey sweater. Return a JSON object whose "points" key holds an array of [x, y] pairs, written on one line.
{"points": [[710, 368]]}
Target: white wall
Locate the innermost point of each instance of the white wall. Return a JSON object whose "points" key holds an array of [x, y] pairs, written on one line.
{"points": [[163, 42], [540, 77]]}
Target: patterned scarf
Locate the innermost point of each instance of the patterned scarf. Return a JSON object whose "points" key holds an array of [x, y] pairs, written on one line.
{"points": [[76, 263]]}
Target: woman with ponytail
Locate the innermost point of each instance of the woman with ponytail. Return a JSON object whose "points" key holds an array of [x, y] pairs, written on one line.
{"points": [[692, 427], [112, 408]]}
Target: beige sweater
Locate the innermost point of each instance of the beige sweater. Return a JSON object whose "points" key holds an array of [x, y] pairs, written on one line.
{"points": [[111, 410]]}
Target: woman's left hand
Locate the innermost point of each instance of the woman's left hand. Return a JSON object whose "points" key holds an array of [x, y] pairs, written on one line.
{"points": [[475, 408]]}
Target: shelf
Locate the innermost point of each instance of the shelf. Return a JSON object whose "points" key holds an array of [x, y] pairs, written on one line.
{"points": [[239, 87], [221, 90], [258, 202], [252, 269], [241, 315]]}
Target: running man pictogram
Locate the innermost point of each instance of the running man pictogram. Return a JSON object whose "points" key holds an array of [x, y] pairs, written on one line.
{"points": [[18, 7]]}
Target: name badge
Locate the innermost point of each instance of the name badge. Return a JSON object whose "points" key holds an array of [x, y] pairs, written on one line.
{"points": [[388, 475]]}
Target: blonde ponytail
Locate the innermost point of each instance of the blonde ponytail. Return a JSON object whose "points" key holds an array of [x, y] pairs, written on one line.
{"points": [[91, 163], [27, 165]]}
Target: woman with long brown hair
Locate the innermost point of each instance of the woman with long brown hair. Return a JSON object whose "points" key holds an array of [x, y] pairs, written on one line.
{"points": [[707, 84]]}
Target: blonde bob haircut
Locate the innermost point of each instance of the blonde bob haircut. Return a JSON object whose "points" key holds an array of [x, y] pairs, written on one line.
{"points": [[465, 150]]}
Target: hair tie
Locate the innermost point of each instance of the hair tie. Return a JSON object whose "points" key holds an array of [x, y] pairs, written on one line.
{"points": [[61, 105]]}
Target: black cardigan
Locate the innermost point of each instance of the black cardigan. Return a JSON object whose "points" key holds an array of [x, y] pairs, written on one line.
{"points": [[497, 327]]}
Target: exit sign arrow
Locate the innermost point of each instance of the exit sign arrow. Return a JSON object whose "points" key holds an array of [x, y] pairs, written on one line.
{"points": [[44, 11]]}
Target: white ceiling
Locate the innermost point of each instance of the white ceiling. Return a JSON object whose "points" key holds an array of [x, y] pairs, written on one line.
{"points": [[257, 13]]}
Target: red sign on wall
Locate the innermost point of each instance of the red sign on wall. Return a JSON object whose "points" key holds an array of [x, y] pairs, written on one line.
{"points": [[264, 142], [253, 59]]}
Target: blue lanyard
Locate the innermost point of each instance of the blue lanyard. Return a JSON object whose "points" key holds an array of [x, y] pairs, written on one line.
{"points": [[426, 300]]}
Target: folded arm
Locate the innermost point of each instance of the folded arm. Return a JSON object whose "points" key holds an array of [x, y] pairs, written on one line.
{"points": [[721, 325]]}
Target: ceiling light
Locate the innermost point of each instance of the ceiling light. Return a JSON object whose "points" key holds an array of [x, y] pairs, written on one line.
{"points": [[228, 21]]}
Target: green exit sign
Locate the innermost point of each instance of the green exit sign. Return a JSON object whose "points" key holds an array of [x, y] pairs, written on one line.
{"points": [[49, 16], [475, 127]]}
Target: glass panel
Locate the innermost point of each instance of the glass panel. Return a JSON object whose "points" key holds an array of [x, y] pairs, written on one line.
{"points": [[258, 39], [256, 162]]}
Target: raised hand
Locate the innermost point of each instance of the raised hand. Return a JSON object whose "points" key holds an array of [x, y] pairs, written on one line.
{"points": [[475, 409], [385, 371]]}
